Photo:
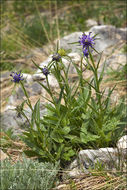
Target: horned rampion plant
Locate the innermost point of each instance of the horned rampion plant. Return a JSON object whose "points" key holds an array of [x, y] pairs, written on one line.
{"points": [[75, 118]]}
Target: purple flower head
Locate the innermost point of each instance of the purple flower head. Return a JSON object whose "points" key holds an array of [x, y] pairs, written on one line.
{"points": [[17, 77], [86, 52], [86, 41], [56, 57], [45, 71]]}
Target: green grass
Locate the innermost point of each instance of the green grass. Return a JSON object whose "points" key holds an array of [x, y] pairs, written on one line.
{"points": [[117, 75]]}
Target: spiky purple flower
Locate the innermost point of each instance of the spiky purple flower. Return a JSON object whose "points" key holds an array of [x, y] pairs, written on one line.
{"points": [[86, 41], [45, 71], [56, 57], [17, 77]]}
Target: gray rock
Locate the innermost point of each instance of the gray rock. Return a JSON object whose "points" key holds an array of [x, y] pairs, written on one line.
{"points": [[74, 37], [19, 93], [11, 119], [75, 172], [116, 61], [110, 158], [35, 89], [122, 142], [28, 78], [89, 157], [43, 111], [109, 36], [74, 164], [91, 23], [38, 76], [45, 63]]}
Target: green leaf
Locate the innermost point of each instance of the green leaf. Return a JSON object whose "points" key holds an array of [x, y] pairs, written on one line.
{"points": [[45, 88], [36, 65], [99, 60], [102, 73], [74, 43], [34, 147], [95, 35], [51, 108], [87, 136], [65, 130], [74, 139], [60, 149], [56, 136], [95, 49], [68, 154], [60, 96], [36, 112]]}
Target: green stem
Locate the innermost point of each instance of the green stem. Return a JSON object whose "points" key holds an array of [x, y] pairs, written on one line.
{"points": [[50, 90], [81, 75], [98, 94], [25, 92]]}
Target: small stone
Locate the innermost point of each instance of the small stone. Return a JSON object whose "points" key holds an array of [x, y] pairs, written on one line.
{"points": [[122, 143], [3, 155], [74, 173], [91, 23], [74, 164], [61, 187], [27, 77], [38, 76]]}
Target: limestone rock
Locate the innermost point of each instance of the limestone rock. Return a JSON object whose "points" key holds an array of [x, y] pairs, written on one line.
{"points": [[38, 76], [73, 37], [116, 61], [122, 143], [109, 36], [27, 77], [11, 119], [89, 157], [75, 172], [108, 157], [35, 89], [62, 187], [91, 23]]}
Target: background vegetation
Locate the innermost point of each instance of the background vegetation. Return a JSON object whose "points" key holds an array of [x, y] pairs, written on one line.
{"points": [[29, 24]]}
